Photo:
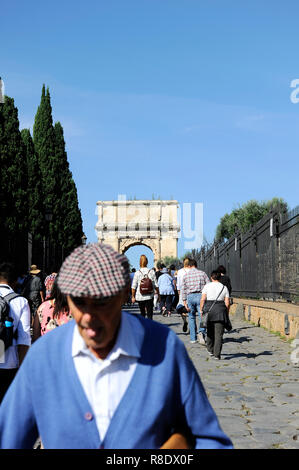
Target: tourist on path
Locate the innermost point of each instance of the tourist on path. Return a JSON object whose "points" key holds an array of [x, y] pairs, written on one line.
{"points": [[49, 281], [215, 295], [225, 280], [33, 290], [20, 314], [180, 308], [145, 301], [167, 292], [51, 313], [192, 285], [113, 380]]}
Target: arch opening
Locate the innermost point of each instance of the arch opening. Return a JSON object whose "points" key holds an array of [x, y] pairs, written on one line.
{"points": [[135, 250]]}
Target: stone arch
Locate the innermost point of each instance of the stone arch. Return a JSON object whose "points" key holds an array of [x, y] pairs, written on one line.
{"points": [[124, 245], [123, 224]]}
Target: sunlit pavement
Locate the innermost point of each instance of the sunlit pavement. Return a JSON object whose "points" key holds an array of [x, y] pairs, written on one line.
{"points": [[254, 388]]}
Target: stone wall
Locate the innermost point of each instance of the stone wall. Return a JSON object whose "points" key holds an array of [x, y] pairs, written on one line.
{"points": [[278, 317]]}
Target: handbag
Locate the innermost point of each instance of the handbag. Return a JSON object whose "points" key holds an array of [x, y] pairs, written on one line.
{"points": [[204, 320]]}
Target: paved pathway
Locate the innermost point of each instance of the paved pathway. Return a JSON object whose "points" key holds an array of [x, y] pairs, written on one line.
{"points": [[254, 389]]}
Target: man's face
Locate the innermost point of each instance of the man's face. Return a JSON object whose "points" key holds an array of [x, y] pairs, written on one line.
{"points": [[98, 321]]}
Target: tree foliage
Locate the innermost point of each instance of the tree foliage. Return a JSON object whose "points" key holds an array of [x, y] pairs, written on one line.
{"points": [[13, 174], [60, 193], [69, 212], [242, 218], [167, 261], [35, 176], [34, 188]]}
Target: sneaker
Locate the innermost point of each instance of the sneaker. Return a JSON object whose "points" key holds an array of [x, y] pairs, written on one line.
{"points": [[201, 339], [210, 354], [217, 358], [193, 342]]}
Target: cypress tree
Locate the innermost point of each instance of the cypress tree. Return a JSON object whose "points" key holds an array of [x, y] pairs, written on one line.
{"points": [[13, 184], [44, 143], [70, 216], [34, 188]]}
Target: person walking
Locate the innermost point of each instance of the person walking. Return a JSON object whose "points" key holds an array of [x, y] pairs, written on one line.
{"points": [[192, 285], [143, 288], [49, 281], [167, 292], [106, 379], [225, 280], [180, 308], [33, 290], [19, 315], [215, 299], [52, 313]]}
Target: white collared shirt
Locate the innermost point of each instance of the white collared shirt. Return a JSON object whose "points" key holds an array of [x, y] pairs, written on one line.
{"points": [[20, 312], [105, 381], [179, 283]]}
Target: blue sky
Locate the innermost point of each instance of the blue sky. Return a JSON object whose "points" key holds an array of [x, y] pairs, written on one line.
{"points": [[181, 99]]}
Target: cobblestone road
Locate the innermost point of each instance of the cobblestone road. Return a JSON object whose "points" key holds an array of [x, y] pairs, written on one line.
{"points": [[254, 389]]}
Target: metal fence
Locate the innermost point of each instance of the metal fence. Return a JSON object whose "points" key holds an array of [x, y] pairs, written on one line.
{"points": [[263, 262]]}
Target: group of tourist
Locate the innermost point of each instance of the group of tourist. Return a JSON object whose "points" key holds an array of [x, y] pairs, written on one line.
{"points": [[115, 374], [197, 295]]}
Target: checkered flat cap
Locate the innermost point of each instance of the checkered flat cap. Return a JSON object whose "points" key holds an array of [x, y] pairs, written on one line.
{"points": [[94, 270]]}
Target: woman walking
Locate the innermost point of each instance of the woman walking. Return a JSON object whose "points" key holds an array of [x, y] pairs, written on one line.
{"points": [[215, 300], [144, 286], [51, 313], [167, 292]]}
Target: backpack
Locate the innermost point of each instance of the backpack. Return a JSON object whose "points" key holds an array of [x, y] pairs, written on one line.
{"points": [[146, 285], [6, 322]]}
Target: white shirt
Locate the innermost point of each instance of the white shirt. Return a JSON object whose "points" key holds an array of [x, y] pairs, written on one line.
{"points": [[179, 283], [20, 312], [105, 381], [212, 289], [136, 283]]}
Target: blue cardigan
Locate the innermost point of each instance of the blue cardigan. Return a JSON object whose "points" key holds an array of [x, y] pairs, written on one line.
{"points": [[46, 398]]}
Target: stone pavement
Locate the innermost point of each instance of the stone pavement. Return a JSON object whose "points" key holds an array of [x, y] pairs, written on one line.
{"points": [[254, 388]]}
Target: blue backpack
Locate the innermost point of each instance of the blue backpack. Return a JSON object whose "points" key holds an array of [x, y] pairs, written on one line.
{"points": [[6, 322]]}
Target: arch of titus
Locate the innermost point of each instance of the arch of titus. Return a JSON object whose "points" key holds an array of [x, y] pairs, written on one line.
{"points": [[123, 224]]}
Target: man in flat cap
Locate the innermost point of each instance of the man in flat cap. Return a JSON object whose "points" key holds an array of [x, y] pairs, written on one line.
{"points": [[106, 379]]}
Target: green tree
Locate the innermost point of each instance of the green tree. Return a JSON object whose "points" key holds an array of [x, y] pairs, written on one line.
{"points": [[242, 218], [34, 188], [168, 261], [13, 182], [44, 143], [70, 219]]}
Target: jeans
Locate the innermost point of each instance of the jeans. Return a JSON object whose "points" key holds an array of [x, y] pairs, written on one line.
{"points": [[166, 301], [193, 301]]}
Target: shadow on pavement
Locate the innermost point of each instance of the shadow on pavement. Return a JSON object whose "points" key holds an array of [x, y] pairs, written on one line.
{"points": [[243, 339], [249, 356]]}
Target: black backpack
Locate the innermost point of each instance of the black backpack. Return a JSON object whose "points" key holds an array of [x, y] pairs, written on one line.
{"points": [[6, 322]]}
